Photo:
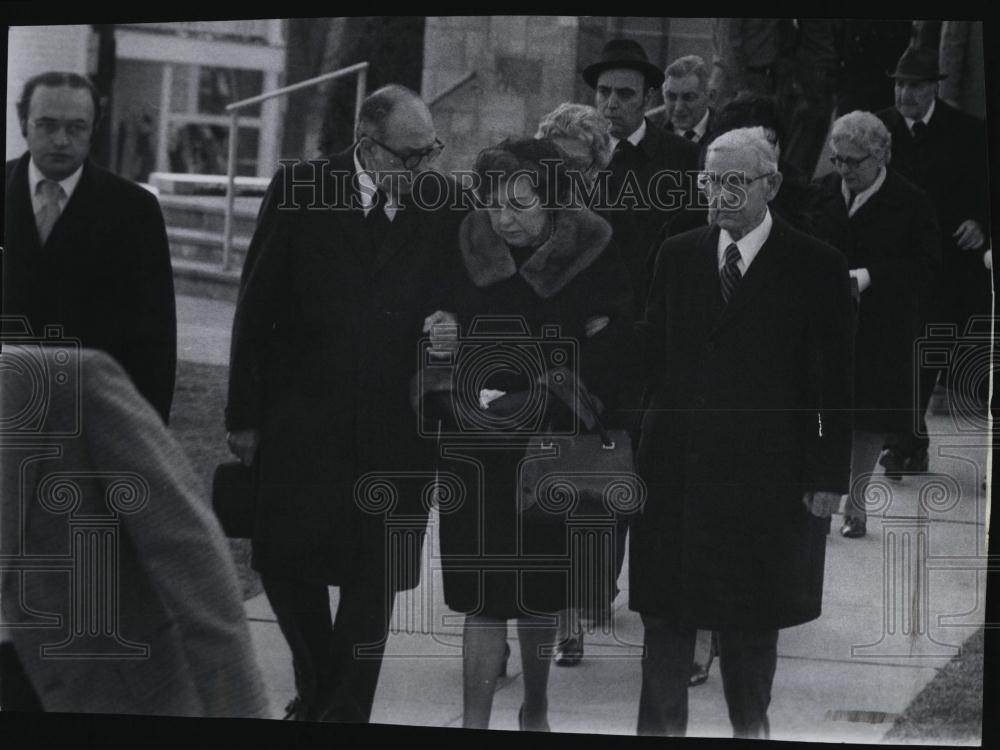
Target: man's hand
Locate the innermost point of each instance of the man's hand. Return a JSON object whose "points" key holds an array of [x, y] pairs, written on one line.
{"points": [[969, 235], [988, 259], [443, 328], [243, 445], [821, 504]]}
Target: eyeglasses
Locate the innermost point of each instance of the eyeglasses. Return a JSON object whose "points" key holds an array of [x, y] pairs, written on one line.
{"points": [[847, 161], [74, 129], [710, 180], [415, 158]]}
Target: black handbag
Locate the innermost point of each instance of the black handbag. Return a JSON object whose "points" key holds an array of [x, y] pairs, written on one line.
{"points": [[592, 473], [233, 499]]}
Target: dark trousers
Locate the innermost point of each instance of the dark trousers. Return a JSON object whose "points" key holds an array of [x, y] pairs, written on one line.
{"points": [[336, 662], [16, 692], [747, 661]]}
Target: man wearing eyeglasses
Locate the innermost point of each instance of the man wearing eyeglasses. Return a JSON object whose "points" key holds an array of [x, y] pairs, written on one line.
{"points": [[685, 98], [350, 255], [83, 248], [746, 441]]}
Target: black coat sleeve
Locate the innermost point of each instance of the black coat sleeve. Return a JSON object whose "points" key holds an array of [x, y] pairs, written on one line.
{"points": [[262, 291], [151, 331], [827, 422]]}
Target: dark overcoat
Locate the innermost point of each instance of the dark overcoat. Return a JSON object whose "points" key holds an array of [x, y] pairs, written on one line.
{"points": [[750, 408], [949, 163], [325, 341], [895, 236], [651, 192], [104, 274], [494, 560]]}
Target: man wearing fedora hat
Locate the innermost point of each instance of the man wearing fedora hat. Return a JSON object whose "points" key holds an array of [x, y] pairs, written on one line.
{"points": [[942, 150], [650, 182]]}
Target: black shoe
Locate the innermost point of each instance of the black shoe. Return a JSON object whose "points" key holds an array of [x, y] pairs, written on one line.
{"points": [[893, 462], [296, 710], [896, 464], [569, 653], [506, 658], [853, 528]]}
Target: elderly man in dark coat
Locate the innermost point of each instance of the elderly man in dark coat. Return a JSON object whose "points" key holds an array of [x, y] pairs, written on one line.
{"points": [[342, 271], [942, 151], [746, 442], [885, 227]]}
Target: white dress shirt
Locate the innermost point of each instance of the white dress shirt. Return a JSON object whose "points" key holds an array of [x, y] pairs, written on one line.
{"points": [[68, 185], [368, 188], [748, 245], [925, 119], [861, 198], [638, 134]]}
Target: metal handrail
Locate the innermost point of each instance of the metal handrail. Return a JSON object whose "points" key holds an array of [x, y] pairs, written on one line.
{"points": [[453, 88], [361, 69]]}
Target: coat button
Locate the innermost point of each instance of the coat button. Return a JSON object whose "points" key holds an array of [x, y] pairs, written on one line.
{"points": [[709, 347], [693, 458], [700, 401]]}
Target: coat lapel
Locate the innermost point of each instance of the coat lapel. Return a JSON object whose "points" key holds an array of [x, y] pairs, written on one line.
{"points": [[21, 232]]}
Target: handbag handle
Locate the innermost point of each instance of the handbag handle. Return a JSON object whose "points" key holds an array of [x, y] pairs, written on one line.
{"points": [[584, 396]]}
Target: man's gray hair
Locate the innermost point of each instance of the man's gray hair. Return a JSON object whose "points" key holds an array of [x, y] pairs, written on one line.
{"points": [[752, 140], [377, 107], [682, 67], [864, 130], [583, 123]]}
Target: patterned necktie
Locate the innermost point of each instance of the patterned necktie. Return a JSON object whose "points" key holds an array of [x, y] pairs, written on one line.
{"points": [[690, 134], [51, 192], [730, 274]]}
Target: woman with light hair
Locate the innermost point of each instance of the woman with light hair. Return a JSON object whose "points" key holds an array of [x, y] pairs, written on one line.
{"points": [[885, 227], [583, 134]]}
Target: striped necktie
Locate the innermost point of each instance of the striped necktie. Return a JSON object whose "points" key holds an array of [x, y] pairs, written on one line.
{"points": [[730, 275], [47, 216]]}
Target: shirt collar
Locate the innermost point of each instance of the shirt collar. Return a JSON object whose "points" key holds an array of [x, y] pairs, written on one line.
{"points": [[367, 189], [861, 198], [702, 126], [35, 176], [749, 245], [635, 139], [926, 119]]}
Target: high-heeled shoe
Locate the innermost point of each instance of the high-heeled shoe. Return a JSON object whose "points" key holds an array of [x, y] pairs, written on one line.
{"points": [[520, 722], [569, 652]]}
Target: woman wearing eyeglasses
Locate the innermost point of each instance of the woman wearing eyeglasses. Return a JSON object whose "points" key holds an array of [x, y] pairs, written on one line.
{"points": [[543, 295], [583, 134], [885, 226]]}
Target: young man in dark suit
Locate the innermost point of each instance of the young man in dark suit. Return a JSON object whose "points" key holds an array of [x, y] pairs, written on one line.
{"points": [[341, 274], [651, 170], [83, 248], [746, 440], [942, 151]]}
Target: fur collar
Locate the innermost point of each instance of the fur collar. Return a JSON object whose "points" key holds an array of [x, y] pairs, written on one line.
{"points": [[578, 239]]}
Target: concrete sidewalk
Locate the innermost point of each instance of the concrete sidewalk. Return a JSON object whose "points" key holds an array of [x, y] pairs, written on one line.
{"points": [[889, 623], [897, 604]]}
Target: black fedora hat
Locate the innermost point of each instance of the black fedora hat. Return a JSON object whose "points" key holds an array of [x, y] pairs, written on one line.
{"points": [[623, 53], [918, 64]]}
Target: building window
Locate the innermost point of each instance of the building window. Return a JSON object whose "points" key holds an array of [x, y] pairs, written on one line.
{"points": [[198, 124]]}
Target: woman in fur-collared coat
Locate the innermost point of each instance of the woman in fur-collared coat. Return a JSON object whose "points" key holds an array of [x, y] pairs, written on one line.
{"points": [[541, 287]]}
